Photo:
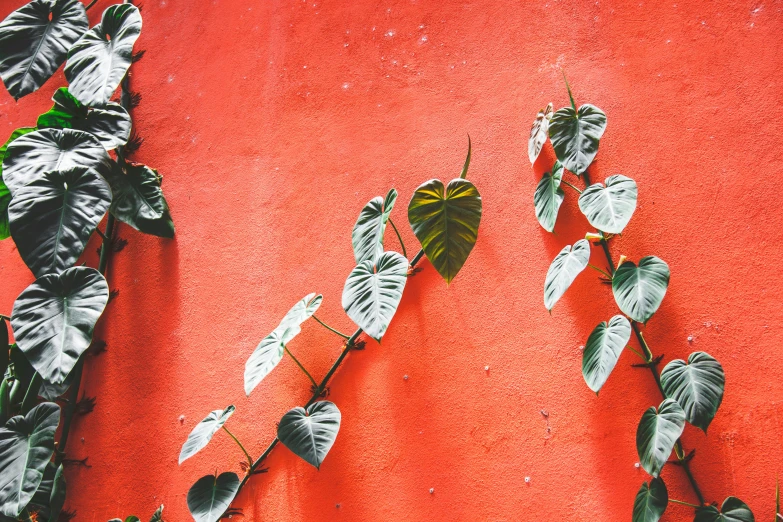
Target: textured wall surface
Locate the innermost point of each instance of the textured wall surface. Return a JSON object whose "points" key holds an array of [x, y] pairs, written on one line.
{"points": [[274, 122]]}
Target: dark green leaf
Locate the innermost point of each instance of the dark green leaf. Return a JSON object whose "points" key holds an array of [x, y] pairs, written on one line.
{"points": [[603, 349], [367, 235], [98, 62], [51, 392], [43, 495], [53, 216], [651, 501], [203, 432], [35, 46], [310, 433], [639, 291], [696, 386], [575, 136], [139, 201], [568, 264], [657, 432], [5, 194], [54, 317], [539, 132], [157, 516], [609, 208], [549, 197], [211, 495], [732, 510], [57, 498]]}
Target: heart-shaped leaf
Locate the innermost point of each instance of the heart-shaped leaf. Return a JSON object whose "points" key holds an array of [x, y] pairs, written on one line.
{"points": [[54, 317], [549, 197], [35, 40], [651, 501], [696, 386], [211, 495], [446, 221], [539, 133], [139, 201], [367, 235], [50, 392], [310, 433], [111, 124], [564, 269], [98, 61], [603, 349], [36, 153], [26, 445], [372, 292], [575, 136], [203, 432], [5, 193], [639, 291], [657, 432], [57, 494], [53, 216], [609, 208], [732, 510]]}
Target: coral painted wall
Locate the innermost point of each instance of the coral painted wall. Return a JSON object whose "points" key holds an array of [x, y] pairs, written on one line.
{"points": [[274, 122]]}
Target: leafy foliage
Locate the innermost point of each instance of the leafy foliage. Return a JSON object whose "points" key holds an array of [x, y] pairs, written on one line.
{"points": [[732, 510], [650, 502], [575, 135], [211, 495], [548, 197], [639, 290], [609, 208], [367, 235], [603, 349], [203, 432], [139, 200], [568, 264], [697, 386], [5, 193], [657, 432], [539, 132], [310, 433]]}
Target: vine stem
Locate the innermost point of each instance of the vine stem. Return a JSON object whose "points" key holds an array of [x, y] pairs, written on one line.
{"points": [[330, 328], [301, 367], [249, 458], [399, 238], [684, 503], [599, 270], [570, 185]]}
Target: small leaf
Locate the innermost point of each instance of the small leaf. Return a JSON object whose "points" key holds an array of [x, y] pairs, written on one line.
{"points": [[211, 495], [568, 264], [539, 133], [639, 291], [157, 516], [372, 292], [575, 136], [651, 501], [609, 208], [603, 349], [549, 197], [657, 432], [445, 220], [203, 432], [139, 201], [57, 498], [367, 235], [5, 194], [696, 386], [732, 510], [310, 433], [97, 63]]}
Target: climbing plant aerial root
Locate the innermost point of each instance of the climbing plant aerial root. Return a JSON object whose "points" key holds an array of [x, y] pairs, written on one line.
{"points": [[60, 178], [445, 219], [691, 390]]}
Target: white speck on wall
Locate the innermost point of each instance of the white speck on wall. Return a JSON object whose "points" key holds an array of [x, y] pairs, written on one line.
{"points": [[390, 33], [171, 78], [346, 85]]}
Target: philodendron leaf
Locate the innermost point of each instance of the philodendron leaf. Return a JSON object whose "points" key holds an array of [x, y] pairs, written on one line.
{"points": [[549, 197], [54, 317], [603, 349], [157, 516], [98, 62], [310, 433], [203, 432], [697, 386], [5, 193], [111, 124], [564, 269], [211, 495], [651, 501], [50, 392], [54, 215], [139, 200], [367, 235], [657, 432], [538, 133], [575, 136], [373, 291], [609, 208], [639, 290], [732, 510], [446, 221], [45, 150], [271, 349], [35, 40], [26, 445]]}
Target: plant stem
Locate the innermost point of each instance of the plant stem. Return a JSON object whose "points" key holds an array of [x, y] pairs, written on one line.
{"points": [[88, 6], [331, 329], [301, 367], [249, 458], [637, 353], [28, 403], [6, 317], [599, 270], [684, 503], [570, 185], [399, 237]]}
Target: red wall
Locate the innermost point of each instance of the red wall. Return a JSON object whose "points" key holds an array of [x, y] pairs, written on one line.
{"points": [[274, 122]]}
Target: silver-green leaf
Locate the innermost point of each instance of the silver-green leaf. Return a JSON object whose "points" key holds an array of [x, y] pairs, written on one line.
{"points": [[211, 496], [657, 433], [650, 502], [138, 199], [609, 208], [564, 268], [575, 136], [548, 197], [603, 349], [732, 510], [639, 290], [539, 133], [310, 433], [697, 386], [367, 234], [203, 432]]}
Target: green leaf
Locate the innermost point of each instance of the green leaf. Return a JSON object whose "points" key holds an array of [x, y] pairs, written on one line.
{"points": [[211, 495], [696, 386], [310, 433], [5, 194], [445, 220], [657, 432], [539, 133], [609, 208], [651, 501], [367, 235], [157, 516], [51, 392], [53, 319], [132, 518], [45, 150], [732, 510], [139, 200], [57, 498], [603, 349], [549, 197], [26, 445], [43, 495], [373, 291], [575, 136], [564, 269], [203, 432], [111, 124], [34, 46], [639, 291], [271, 349], [54, 215], [97, 63]]}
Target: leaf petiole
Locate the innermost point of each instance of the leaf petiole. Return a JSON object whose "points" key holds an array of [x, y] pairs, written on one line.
{"points": [[249, 458], [330, 328], [402, 243], [570, 185], [300, 366], [684, 503], [599, 270]]}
